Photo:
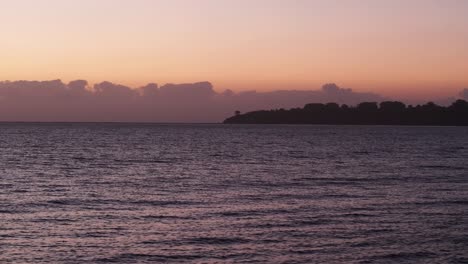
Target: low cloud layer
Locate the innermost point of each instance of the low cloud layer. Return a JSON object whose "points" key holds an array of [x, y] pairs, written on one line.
{"points": [[464, 94], [50, 101]]}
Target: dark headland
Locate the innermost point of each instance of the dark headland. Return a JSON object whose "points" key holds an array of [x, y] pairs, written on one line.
{"points": [[366, 113]]}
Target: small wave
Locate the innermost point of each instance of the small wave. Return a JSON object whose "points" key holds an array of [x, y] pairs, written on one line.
{"points": [[299, 157], [407, 255], [64, 202], [305, 251], [358, 215], [53, 220], [314, 222], [93, 235], [82, 202], [162, 217], [342, 196], [442, 167], [82, 159], [259, 212], [156, 242], [126, 257], [270, 225], [361, 152], [163, 203], [234, 214], [3, 211], [454, 202], [361, 244], [225, 156], [142, 161], [218, 240]]}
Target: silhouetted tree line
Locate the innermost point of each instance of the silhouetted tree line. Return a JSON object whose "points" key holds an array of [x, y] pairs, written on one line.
{"points": [[367, 113]]}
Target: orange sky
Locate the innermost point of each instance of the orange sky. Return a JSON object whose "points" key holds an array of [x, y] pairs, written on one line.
{"points": [[398, 48]]}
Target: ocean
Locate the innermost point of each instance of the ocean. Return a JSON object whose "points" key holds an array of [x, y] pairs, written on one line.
{"points": [[201, 193]]}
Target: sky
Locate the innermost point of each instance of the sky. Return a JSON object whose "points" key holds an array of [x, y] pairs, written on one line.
{"points": [[398, 48]]}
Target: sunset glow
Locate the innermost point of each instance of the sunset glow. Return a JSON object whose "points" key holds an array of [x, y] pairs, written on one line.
{"points": [[397, 48]]}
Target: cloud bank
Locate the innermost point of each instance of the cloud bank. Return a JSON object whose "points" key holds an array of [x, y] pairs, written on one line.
{"points": [[464, 94], [55, 101]]}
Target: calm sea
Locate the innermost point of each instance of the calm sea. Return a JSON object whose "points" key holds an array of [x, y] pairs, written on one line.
{"points": [[143, 193]]}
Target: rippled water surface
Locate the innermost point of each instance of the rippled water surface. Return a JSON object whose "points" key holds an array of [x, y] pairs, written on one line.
{"points": [[129, 193]]}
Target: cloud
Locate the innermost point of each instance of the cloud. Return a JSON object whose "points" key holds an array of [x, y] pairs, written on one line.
{"points": [[108, 89], [464, 94], [290, 98], [447, 101], [53, 88], [188, 91], [189, 102], [149, 90], [78, 88]]}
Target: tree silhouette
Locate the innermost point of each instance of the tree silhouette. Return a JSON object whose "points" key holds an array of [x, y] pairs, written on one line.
{"points": [[365, 113]]}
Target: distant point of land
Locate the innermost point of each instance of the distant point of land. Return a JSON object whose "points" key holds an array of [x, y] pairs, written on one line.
{"points": [[366, 113]]}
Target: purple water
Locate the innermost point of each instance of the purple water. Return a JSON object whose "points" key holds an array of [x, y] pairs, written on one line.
{"points": [[141, 193]]}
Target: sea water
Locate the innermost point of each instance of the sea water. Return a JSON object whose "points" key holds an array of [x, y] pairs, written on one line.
{"points": [[150, 193]]}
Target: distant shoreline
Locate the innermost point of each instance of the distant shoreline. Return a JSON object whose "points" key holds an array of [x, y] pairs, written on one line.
{"points": [[367, 113], [108, 122], [208, 124], [213, 124]]}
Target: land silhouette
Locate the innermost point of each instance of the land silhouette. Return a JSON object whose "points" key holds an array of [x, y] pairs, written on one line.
{"points": [[365, 113]]}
